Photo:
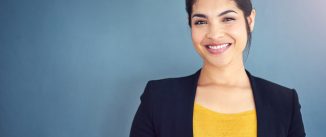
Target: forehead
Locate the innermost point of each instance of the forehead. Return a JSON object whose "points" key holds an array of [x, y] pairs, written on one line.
{"points": [[214, 6]]}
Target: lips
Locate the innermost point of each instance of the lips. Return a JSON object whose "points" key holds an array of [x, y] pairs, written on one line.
{"points": [[217, 48]]}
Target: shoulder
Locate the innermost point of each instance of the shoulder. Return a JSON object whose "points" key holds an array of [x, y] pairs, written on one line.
{"points": [[169, 82], [167, 90], [271, 87], [274, 94], [162, 95], [170, 85]]}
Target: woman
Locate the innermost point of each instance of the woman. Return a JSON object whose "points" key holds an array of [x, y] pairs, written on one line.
{"points": [[222, 99]]}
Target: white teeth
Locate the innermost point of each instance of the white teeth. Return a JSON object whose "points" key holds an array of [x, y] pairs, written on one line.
{"points": [[218, 47]]}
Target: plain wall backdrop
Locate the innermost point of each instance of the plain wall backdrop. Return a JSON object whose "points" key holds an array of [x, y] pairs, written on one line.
{"points": [[76, 68]]}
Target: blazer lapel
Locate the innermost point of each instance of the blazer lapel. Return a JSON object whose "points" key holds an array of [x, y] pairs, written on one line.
{"points": [[262, 119], [190, 90]]}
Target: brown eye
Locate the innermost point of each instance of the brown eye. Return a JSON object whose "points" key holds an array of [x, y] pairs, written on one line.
{"points": [[227, 19], [200, 22]]}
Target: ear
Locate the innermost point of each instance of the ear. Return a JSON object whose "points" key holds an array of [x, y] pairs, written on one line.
{"points": [[251, 19]]}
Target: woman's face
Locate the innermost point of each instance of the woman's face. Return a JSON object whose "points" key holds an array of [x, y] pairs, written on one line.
{"points": [[219, 31]]}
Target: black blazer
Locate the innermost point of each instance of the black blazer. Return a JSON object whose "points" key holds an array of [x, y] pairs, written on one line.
{"points": [[166, 109]]}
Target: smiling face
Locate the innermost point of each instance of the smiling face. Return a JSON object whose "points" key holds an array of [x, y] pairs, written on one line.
{"points": [[219, 32]]}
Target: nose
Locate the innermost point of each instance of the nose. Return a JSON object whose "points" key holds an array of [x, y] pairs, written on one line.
{"points": [[215, 32]]}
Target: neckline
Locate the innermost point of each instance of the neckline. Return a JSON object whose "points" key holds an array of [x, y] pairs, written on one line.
{"points": [[225, 114]]}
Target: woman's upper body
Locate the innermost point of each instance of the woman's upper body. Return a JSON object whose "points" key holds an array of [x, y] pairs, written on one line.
{"points": [[167, 107], [221, 31]]}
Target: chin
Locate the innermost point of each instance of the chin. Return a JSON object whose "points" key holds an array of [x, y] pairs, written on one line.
{"points": [[218, 63]]}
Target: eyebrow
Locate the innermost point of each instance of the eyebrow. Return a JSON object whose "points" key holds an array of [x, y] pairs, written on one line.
{"points": [[204, 16]]}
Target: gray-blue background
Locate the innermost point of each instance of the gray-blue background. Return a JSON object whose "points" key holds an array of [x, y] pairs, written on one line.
{"points": [[76, 68]]}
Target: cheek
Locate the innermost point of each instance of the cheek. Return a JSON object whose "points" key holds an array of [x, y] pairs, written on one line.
{"points": [[239, 33], [197, 36]]}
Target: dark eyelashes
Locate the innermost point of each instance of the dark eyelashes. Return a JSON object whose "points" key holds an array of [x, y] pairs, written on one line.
{"points": [[226, 19], [200, 22]]}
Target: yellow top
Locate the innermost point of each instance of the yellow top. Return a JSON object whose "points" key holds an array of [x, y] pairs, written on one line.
{"points": [[208, 123]]}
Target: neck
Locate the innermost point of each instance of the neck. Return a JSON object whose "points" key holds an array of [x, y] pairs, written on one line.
{"points": [[228, 75]]}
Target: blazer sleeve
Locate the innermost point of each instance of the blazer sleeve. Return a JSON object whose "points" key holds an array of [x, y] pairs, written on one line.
{"points": [[296, 126], [142, 125]]}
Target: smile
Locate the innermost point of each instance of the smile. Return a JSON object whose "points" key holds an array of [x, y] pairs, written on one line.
{"points": [[217, 48]]}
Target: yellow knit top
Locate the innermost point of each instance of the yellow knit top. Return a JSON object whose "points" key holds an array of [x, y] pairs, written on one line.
{"points": [[208, 123]]}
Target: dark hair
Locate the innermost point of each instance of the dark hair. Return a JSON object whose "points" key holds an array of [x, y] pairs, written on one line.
{"points": [[244, 5]]}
